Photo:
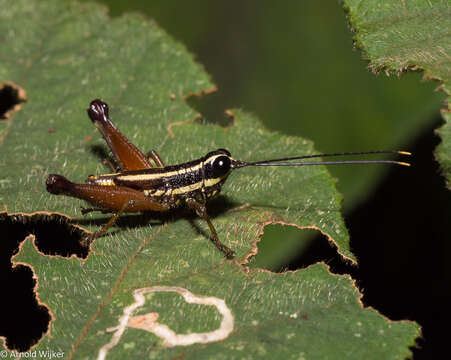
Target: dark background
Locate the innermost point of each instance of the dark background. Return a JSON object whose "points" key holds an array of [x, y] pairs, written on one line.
{"points": [[293, 64]]}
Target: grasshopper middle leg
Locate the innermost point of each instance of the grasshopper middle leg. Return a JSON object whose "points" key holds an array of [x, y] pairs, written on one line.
{"points": [[201, 210]]}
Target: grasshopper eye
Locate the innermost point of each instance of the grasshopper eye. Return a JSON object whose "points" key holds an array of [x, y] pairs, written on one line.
{"points": [[220, 166]]}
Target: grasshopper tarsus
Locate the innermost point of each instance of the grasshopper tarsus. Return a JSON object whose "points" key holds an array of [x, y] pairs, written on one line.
{"points": [[229, 254], [86, 241]]}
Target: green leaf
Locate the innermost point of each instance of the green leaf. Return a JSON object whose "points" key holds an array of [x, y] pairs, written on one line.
{"points": [[301, 79], [295, 68], [397, 36], [68, 54]]}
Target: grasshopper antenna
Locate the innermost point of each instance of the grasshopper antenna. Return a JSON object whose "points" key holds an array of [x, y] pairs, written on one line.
{"points": [[288, 160]]}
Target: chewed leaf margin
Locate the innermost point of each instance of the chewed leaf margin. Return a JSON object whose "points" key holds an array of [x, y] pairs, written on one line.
{"points": [[396, 37]]}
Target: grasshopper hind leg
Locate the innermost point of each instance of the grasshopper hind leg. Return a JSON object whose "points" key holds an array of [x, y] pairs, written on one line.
{"points": [[127, 155], [115, 199]]}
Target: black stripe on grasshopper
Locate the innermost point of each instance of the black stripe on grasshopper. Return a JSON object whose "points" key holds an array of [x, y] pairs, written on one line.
{"points": [[139, 186]]}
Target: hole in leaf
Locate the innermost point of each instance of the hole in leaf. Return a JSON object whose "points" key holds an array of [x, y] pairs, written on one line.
{"points": [[54, 234], [301, 248], [23, 319], [11, 96]]}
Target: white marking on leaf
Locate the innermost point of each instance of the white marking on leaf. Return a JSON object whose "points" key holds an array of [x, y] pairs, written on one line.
{"points": [[149, 322]]}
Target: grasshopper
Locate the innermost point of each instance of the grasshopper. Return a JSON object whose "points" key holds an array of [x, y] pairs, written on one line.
{"points": [[140, 186]]}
